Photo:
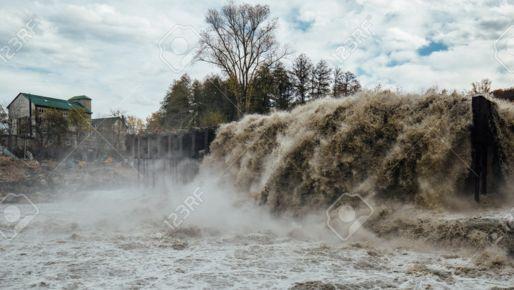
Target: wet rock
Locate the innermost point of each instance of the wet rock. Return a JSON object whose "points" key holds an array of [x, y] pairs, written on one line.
{"points": [[179, 245], [373, 253], [186, 232], [131, 246], [297, 234], [478, 232], [75, 236], [477, 237], [418, 269], [318, 285], [42, 284], [313, 285], [492, 258]]}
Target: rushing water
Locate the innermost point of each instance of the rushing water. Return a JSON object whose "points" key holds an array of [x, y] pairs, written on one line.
{"points": [[117, 239], [396, 146]]}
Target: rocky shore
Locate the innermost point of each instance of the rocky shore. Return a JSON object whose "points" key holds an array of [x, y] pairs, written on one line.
{"points": [[42, 179]]}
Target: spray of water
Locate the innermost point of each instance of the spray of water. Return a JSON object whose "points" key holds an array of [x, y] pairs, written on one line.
{"points": [[378, 143]]}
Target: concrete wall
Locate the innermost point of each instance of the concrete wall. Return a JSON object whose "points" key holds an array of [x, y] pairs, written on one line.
{"points": [[189, 144], [19, 111], [19, 107], [86, 103]]}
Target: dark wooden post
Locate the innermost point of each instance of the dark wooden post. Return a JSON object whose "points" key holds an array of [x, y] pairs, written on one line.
{"points": [[180, 144], [168, 151], [169, 154], [482, 139], [138, 156], [148, 147], [206, 140], [193, 144]]}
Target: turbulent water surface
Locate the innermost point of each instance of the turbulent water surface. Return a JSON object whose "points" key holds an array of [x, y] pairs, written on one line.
{"points": [[112, 239]]}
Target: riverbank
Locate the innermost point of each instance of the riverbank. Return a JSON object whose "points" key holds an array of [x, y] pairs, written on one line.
{"points": [[41, 180]]}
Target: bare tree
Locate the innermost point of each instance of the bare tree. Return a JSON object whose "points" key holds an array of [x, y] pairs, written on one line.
{"points": [[4, 120], [135, 125], [78, 124], [345, 83], [482, 87], [118, 113], [239, 39], [52, 128]]}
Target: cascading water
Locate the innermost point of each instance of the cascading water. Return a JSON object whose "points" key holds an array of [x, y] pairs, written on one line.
{"points": [[406, 147]]}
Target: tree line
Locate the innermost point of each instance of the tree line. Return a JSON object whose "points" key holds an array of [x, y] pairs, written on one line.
{"points": [[202, 103]]}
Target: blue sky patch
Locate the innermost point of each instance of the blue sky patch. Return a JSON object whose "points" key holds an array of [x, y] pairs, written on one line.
{"points": [[432, 47], [40, 70], [298, 23], [393, 63]]}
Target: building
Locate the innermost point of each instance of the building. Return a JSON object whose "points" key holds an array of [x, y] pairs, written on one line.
{"points": [[26, 111], [35, 127]]}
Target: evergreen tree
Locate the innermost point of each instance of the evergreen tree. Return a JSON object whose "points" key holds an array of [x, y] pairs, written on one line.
{"points": [[337, 88], [321, 80], [282, 88], [195, 103], [217, 103], [301, 76], [262, 90], [175, 109]]}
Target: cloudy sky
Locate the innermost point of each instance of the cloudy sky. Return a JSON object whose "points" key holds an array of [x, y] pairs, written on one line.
{"points": [[124, 54]]}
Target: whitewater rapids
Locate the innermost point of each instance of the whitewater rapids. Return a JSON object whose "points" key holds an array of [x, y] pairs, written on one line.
{"points": [[113, 239]]}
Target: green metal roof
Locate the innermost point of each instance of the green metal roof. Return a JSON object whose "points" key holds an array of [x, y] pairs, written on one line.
{"points": [[82, 97], [54, 103]]}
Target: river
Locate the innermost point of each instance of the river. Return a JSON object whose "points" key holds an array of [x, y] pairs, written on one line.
{"points": [[117, 240]]}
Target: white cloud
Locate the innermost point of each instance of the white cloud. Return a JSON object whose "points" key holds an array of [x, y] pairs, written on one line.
{"points": [[109, 50]]}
